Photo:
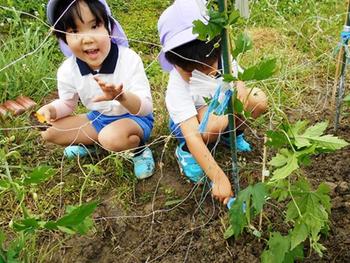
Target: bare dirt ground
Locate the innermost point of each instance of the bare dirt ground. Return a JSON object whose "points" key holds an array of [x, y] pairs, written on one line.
{"points": [[172, 220]]}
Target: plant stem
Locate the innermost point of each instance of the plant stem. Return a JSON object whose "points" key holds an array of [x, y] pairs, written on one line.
{"points": [[227, 68], [295, 203]]}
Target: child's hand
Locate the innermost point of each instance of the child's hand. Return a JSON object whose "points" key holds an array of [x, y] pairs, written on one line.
{"points": [[49, 113], [111, 91], [222, 189]]}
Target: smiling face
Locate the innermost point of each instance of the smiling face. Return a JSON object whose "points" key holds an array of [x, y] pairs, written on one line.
{"points": [[89, 40]]}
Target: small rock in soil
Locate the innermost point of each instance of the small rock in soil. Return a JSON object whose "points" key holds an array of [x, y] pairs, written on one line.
{"points": [[347, 206], [343, 187], [337, 202]]}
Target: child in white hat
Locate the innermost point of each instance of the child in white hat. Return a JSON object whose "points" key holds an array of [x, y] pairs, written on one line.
{"points": [[107, 77], [182, 55]]}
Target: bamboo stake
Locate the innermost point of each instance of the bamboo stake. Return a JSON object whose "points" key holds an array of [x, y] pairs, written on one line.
{"points": [[227, 66], [263, 174], [338, 89]]}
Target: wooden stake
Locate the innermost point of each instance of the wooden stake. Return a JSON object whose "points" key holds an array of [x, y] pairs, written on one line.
{"points": [[339, 81]]}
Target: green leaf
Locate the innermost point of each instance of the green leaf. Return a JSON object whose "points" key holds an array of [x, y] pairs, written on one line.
{"points": [[347, 99], [329, 142], [301, 142], [39, 175], [26, 225], [229, 232], [278, 246], [312, 136], [50, 225], [217, 22], [201, 29], [287, 169], [66, 230], [280, 191], [233, 17], [15, 249], [279, 160], [261, 71], [85, 226], [299, 234], [238, 106], [316, 130], [248, 74], [2, 238], [237, 218], [258, 196], [276, 139], [323, 195], [296, 128], [4, 185], [78, 215], [309, 208], [297, 254], [229, 78], [243, 43], [265, 69]]}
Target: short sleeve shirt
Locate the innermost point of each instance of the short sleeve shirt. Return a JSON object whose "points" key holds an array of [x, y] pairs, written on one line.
{"points": [[180, 103], [75, 78]]}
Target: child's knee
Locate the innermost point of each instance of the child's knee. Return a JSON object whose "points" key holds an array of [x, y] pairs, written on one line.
{"points": [[117, 143], [110, 143]]}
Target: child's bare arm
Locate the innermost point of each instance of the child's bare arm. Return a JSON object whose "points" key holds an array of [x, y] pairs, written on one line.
{"points": [[221, 185], [129, 100]]}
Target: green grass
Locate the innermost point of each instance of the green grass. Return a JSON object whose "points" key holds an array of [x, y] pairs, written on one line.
{"points": [[300, 34]]}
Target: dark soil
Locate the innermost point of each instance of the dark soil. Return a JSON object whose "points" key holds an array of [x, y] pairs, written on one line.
{"points": [[190, 229]]}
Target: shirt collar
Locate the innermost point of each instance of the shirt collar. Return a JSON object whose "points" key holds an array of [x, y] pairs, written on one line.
{"points": [[108, 65]]}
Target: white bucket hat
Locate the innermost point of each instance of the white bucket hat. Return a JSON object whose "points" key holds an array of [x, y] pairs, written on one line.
{"points": [[175, 26]]}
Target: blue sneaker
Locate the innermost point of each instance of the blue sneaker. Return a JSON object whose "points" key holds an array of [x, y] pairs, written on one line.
{"points": [[188, 165], [144, 164], [241, 143], [74, 151]]}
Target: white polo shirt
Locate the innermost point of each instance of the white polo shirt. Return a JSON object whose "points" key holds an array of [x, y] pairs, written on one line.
{"points": [[181, 104], [122, 66]]}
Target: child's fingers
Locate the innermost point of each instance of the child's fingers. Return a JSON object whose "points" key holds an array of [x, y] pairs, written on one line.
{"points": [[109, 87], [97, 79], [100, 82], [118, 88]]}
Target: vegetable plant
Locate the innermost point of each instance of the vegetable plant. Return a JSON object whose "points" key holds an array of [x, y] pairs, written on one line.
{"points": [[305, 208]]}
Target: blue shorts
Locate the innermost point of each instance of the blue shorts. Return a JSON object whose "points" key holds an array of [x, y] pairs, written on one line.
{"points": [[175, 130], [99, 121]]}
